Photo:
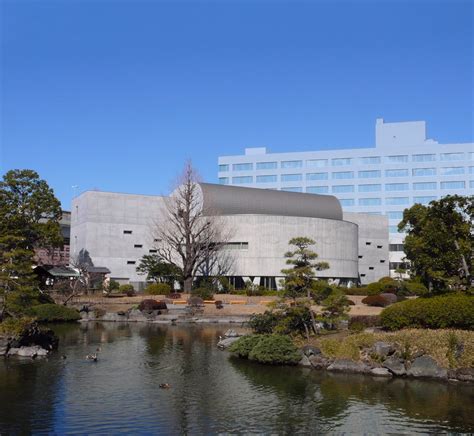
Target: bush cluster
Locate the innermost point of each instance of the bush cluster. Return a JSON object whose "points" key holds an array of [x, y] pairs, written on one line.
{"points": [[149, 305], [54, 313], [15, 326], [388, 285], [128, 290], [158, 289], [267, 349], [376, 301], [448, 311]]}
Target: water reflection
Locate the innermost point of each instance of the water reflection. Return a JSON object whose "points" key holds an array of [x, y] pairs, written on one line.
{"points": [[210, 392]]}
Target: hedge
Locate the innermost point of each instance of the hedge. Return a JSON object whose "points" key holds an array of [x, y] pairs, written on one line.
{"points": [[275, 350], [447, 311], [54, 313], [244, 345], [376, 301], [158, 289]]}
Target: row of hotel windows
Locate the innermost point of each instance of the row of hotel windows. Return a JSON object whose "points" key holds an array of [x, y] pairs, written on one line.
{"points": [[371, 160], [389, 187], [346, 175]]}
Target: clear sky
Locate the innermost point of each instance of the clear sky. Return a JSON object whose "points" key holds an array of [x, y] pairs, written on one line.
{"points": [[115, 95]]}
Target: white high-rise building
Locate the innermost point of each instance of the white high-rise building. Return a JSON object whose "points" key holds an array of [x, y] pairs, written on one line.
{"points": [[402, 169]]}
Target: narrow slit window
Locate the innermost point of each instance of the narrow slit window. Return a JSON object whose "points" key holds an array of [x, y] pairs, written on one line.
{"points": [[131, 262], [127, 232], [153, 251], [368, 243], [371, 267], [138, 246]]}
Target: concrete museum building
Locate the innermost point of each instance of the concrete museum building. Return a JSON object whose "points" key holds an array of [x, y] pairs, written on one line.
{"points": [[116, 230]]}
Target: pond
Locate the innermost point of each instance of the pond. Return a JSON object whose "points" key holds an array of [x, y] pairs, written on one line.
{"points": [[210, 391]]}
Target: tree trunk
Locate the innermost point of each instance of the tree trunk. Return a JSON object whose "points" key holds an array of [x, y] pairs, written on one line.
{"points": [[313, 320], [188, 284], [464, 263]]}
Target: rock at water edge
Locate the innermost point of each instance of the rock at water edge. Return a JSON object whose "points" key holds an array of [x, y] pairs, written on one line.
{"points": [[426, 366]]}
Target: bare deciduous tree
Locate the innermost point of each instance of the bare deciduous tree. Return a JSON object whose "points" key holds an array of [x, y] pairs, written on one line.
{"points": [[187, 236]]}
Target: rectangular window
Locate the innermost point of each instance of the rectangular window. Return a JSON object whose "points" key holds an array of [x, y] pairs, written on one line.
{"points": [[237, 246], [293, 189], [453, 185], [395, 247], [370, 201], [342, 188], [316, 176], [347, 201], [343, 175], [471, 184], [423, 157], [266, 179], [471, 170], [370, 160], [371, 174], [396, 173], [395, 215], [223, 167], [396, 201], [317, 163], [396, 187], [340, 161], [131, 262], [291, 163], [242, 180], [152, 251], [317, 189], [451, 171], [424, 186], [370, 188], [393, 229], [397, 159], [471, 155], [138, 246], [423, 200], [127, 232], [424, 172], [242, 167], [452, 156], [291, 177], [267, 165], [223, 180]]}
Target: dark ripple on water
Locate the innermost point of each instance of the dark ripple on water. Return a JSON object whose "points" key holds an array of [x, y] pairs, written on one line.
{"points": [[210, 393]]}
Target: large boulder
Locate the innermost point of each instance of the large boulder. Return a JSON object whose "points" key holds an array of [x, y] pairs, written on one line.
{"points": [[346, 365], [310, 350], [305, 362], [381, 372], [462, 374], [383, 349], [4, 345], [231, 334], [319, 361], [32, 351], [426, 366], [395, 365], [226, 342], [34, 335]]}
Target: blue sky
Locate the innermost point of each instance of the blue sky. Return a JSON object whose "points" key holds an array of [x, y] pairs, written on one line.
{"points": [[115, 95]]}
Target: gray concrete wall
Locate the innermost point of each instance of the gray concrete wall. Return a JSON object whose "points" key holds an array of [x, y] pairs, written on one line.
{"points": [[373, 245]]}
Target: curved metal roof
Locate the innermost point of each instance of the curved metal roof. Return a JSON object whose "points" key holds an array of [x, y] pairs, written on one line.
{"points": [[235, 200]]}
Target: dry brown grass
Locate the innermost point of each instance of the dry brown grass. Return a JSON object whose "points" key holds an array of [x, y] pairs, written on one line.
{"points": [[450, 348]]}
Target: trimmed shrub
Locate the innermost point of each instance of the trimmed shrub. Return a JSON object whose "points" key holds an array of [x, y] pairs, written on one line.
{"points": [[376, 301], [158, 289], [447, 311], [128, 290], [149, 305], [374, 288], [275, 350], [263, 323], [54, 313], [244, 345], [356, 291], [320, 290], [113, 285], [414, 288]]}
